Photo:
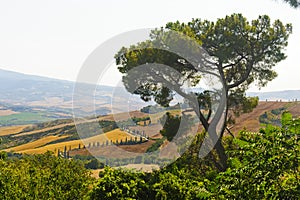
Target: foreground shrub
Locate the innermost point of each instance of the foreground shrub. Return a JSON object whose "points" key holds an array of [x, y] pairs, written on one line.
{"points": [[264, 165], [43, 177]]}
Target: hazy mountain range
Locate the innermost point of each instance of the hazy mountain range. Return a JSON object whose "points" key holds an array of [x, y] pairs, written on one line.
{"points": [[285, 95], [29, 90], [43, 98]]}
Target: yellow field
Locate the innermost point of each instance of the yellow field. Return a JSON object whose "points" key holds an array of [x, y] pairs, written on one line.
{"points": [[37, 143], [142, 123], [53, 147], [117, 134], [11, 130], [35, 147]]}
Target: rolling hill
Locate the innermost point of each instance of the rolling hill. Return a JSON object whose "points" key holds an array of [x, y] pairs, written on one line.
{"points": [[251, 121], [59, 134], [35, 115]]}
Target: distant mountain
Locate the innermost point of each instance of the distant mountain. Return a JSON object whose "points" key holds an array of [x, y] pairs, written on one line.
{"points": [[22, 92], [285, 95], [21, 88]]}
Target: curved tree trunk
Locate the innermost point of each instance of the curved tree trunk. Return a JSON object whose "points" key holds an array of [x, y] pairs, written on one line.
{"points": [[214, 139]]}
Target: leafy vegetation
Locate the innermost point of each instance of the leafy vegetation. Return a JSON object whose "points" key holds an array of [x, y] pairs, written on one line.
{"points": [[136, 120], [171, 125], [155, 146], [43, 177], [272, 117], [263, 165], [151, 109]]}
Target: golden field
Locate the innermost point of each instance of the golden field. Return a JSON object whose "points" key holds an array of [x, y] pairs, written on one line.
{"points": [[11, 130], [39, 146], [36, 143]]}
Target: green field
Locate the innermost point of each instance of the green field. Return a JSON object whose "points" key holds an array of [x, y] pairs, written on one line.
{"points": [[26, 118]]}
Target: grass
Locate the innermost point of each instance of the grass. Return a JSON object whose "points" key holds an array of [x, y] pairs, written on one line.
{"points": [[4, 131], [25, 118]]}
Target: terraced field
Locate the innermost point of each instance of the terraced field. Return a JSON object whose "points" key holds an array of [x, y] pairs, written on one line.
{"points": [[45, 138], [41, 145]]}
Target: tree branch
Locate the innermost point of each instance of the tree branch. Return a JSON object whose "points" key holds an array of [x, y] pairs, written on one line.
{"points": [[232, 64]]}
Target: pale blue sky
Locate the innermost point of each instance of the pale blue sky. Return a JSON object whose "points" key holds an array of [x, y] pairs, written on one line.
{"points": [[54, 37]]}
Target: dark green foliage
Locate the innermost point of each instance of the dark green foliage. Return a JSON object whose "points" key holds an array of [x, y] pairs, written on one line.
{"points": [[264, 165], [3, 155], [119, 184], [94, 164], [238, 103], [278, 111], [170, 125], [124, 184], [263, 118], [272, 117], [43, 177], [137, 119], [178, 184], [155, 146], [156, 108]]}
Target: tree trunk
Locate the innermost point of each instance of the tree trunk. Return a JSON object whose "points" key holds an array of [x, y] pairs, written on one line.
{"points": [[222, 155], [214, 140]]}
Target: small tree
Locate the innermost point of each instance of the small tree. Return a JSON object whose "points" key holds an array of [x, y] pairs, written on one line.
{"points": [[170, 125]]}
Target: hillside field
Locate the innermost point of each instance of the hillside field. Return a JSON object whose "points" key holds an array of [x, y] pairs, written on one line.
{"points": [[54, 137], [40, 146]]}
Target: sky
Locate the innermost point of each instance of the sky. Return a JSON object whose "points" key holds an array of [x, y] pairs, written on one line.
{"points": [[53, 38]]}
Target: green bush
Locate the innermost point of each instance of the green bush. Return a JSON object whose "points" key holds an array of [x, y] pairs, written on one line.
{"points": [[43, 177], [264, 165], [121, 184]]}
